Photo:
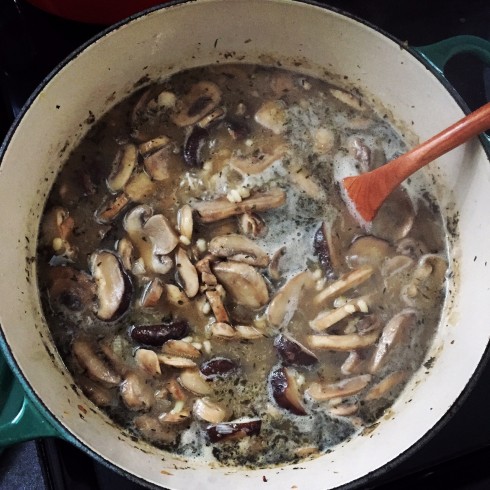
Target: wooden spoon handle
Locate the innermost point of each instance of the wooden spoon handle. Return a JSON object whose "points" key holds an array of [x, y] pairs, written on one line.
{"points": [[455, 135], [367, 192]]}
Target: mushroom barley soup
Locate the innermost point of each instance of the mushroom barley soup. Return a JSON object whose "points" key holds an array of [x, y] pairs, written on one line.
{"points": [[205, 283]]}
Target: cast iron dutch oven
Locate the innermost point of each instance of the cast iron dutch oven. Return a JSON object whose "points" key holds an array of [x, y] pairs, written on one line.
{"points": [[43, 401]]}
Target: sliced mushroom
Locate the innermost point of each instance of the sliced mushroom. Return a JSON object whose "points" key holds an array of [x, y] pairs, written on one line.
{"points": [[192, 380], [174, 295], [294, 353], [71, 288], [113, 287], [176, 361], [94, 366], [238, 248], [222, 330], [187, 273], [411, 247], [344, 409], [159, 163], [342, 388], [383, 388], [221, 208], [272, 115], [306, 182], [345, 282], [396, 216], [204, 268], [100, 395], [252, 225], [344, 342], [201, 99], [185, 221], [139, 187], [56, 224], [180, 348], [209, 411], [154, 237], [176, 390], [148, 361], [330, 317], [243, 283], [216, 303], [153, 145], [273, 269], [153, 430], [212, 118], [431, 267], [285, 302], [354, 363], [248, 332], [285, 391], [125, 250], [177, 415], [395, 332], [157, 335], [326, 248], [231, 431], [218, 367], [124, 163], [368, 250], [111, 208], [193, 145], [152, 293], [348, 98], [257, 162]]}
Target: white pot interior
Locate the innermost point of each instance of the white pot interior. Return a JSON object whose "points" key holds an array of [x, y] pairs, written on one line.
{"points": [[211, 31]]}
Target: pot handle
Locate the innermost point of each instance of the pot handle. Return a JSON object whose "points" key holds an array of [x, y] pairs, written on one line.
{"points": [[20, 420], [438, 54]]}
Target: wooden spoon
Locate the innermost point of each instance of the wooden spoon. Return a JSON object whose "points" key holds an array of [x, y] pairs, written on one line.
{"points": [[366, 193]]}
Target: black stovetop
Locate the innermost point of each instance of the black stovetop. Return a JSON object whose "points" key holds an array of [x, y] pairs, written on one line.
{"points": [[33, 42]]}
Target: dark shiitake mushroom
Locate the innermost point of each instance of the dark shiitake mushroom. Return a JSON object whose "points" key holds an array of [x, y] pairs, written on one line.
{"points": [[236, 429], [285, 391], [292, 352], [218, 367]]}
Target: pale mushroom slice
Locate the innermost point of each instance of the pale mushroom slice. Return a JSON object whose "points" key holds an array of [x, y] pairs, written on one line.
{"points": [[185, 221], [111, 208], [344, 409], [113, 287], [347, 281], [192, 380], [368, 250], [343, 388], [257, 162], [153, 430], [248, 332], [70, 288], [153, 236], [217, 305], [159, 163], [283, 305], [222, 330], [125, 250], [148, 361], [180, 348], [57, 227], [238, 248], [395, 332], [222, 208], [187, 273], [209, 411], [252, 225], [274, 268], [153, 145], [243, 283], [176, 361], [329, 318], [124, 163], [178, 415], [383, 388], [152, 293], [202, 98], [95, 367], [346, 342], [204, 268], [272, 115], [139, 188], [306, 182], [175, 296], [349, 99]]}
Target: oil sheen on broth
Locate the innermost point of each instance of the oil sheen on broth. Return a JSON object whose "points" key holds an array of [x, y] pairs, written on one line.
{"points": [[206, 285]]}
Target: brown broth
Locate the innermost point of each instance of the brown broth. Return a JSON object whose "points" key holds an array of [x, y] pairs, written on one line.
{"points": [[317, 132]]}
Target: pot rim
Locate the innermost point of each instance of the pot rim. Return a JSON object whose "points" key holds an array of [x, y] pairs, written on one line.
{"points": [[65, 431]]}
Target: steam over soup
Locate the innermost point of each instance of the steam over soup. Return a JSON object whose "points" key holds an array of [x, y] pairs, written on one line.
{"points": [[205, 283]]}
